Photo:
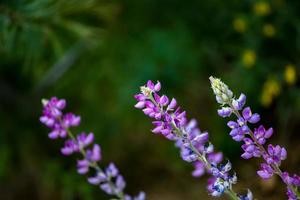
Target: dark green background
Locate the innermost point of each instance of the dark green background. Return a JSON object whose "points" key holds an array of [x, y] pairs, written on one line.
{"points": [[96, 54]]}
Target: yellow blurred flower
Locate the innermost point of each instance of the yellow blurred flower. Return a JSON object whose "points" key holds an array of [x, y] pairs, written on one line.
{"points": [[269, 30], [271, 89], [249, 58], [262, 8], [239, 25], [290, 75]]}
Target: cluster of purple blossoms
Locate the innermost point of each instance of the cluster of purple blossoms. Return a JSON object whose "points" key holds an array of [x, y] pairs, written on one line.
{"points": [[109, 180], [171, 122], [254, 141]]}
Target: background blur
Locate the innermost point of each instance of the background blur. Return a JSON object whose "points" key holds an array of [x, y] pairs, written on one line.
{"points": [[96, 54]]}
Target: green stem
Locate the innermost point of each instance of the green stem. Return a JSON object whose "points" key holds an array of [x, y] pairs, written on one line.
{"points": [[232, 194]]}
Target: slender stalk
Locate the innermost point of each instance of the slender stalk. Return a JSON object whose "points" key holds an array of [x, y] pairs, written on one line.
{"points": [[232, 194]]}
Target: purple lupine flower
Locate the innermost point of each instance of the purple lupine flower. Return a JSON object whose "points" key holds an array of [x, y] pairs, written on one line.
{"points": [[265, 171], [98, 178], [275, 154], [53, 118], [253, 140], [170, 121], [199, 170], [85, 140], [83, 166], [110, 181], [120, 183], [107, 188], [251, 150], [295, 179], [291, 195], [261, 134], [94, 155], [239, 103], [70, 120], [112, 170], [249, 117], [69, 148], [225, 112]]}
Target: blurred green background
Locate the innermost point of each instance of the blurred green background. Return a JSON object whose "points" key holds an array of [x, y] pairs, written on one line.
{"points": [[96, 54]]}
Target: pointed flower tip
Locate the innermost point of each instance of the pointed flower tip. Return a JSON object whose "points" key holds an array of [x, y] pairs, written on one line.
{"points": [[221, 90], [157, 86], [215, 81], [44, 101], [211, 78], [146, 91]]}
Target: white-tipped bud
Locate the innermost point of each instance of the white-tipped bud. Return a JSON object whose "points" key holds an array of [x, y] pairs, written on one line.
{"points": [[45, 102], [223, 93], [146, 91]]}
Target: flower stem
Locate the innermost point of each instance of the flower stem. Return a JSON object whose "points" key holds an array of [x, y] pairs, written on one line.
{"points": [[232, 194]]}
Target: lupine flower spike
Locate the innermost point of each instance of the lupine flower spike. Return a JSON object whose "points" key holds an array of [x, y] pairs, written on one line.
{"points": [[254, 139], [171, 122], [109, 180]]}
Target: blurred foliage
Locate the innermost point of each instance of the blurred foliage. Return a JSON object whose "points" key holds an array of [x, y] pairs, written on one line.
{"points": [[97, 53]]}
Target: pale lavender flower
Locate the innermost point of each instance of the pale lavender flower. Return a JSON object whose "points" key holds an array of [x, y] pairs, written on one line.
{"points": [[112, 170], [225, 112], [83, 166], [94, 154], [250, 149], [170, 121], [69, 148], [85, 140], [254, 141], [110, 181], [98, 178]]}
